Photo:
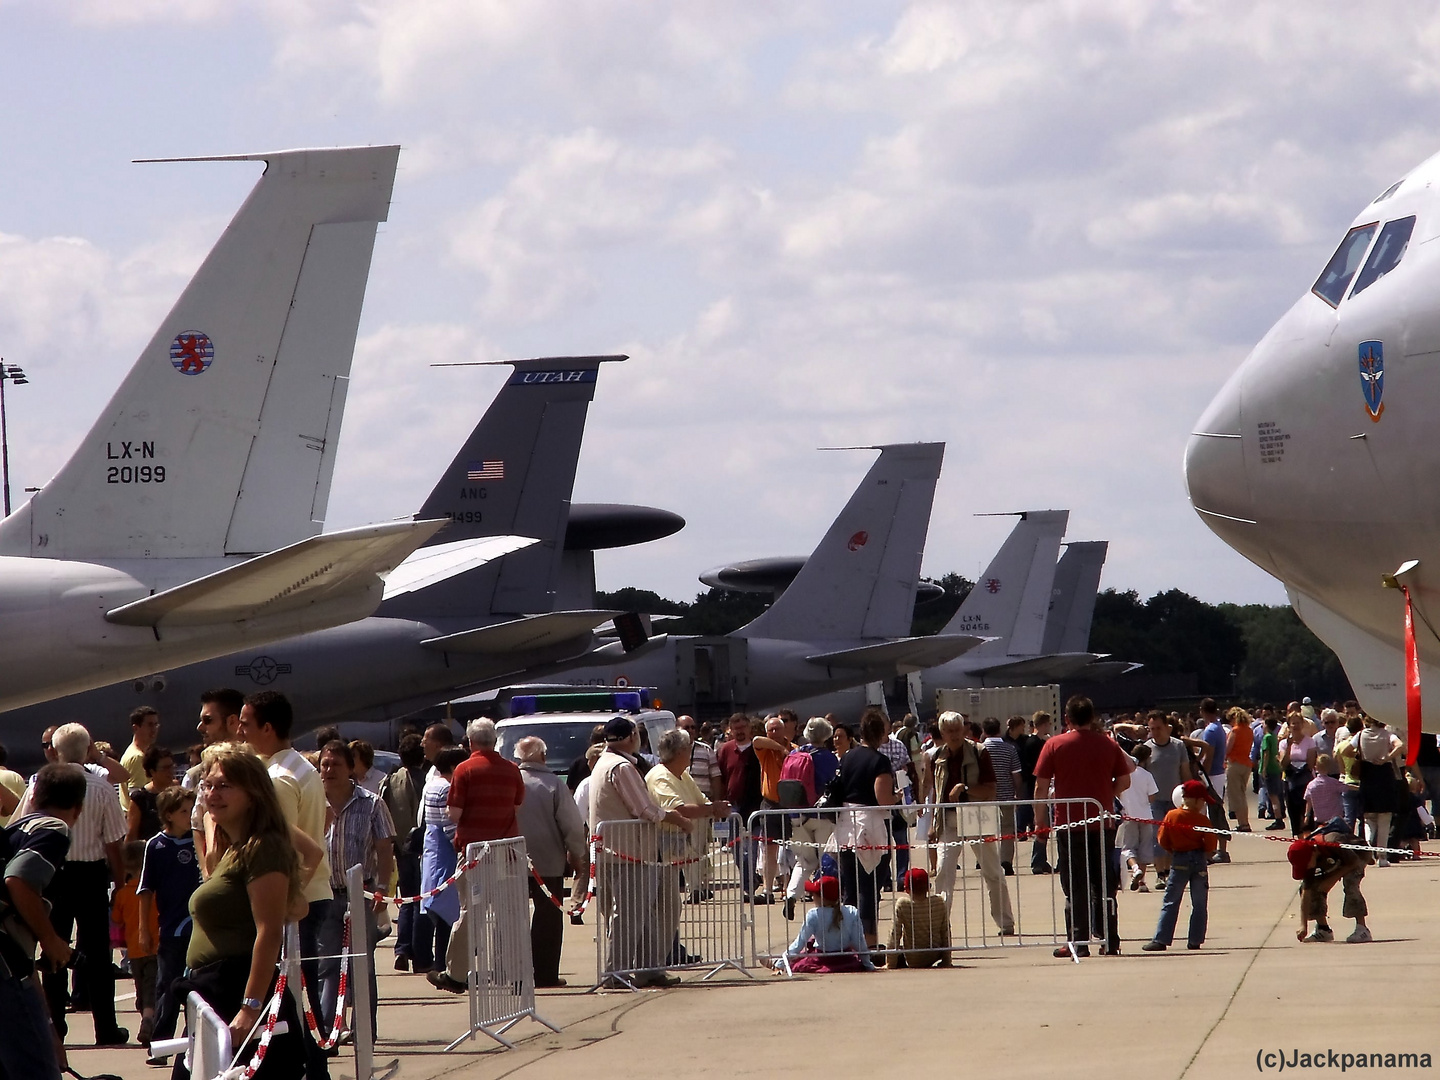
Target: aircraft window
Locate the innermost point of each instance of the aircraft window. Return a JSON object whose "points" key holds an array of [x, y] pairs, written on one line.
{"points": [[1343, 264], [1387, 192], [1387, 253]]}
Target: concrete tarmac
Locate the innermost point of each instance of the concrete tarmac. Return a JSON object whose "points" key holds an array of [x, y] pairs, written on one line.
{"points": [[1010, 1010]]}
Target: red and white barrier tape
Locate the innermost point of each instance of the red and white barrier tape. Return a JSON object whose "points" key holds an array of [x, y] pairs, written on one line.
{"points": [[339, 1026]]}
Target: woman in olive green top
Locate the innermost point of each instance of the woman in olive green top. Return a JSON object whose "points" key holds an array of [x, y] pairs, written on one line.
{"points": [[240, 910]]}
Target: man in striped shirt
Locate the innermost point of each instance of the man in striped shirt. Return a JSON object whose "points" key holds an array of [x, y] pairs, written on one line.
{"points": [[79, 894], [1009, 783]]}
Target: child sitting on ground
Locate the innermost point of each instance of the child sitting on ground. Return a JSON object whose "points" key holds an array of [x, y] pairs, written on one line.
{"points": [[832, 938], [139, 946], [920, 930], [1190, 851]]}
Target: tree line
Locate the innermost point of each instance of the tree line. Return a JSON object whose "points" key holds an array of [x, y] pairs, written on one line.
{"points": [[1254, 652]]}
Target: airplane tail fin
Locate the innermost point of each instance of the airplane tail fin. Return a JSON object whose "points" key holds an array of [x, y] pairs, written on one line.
{"points": [[513, 476], [1077, 584], [861, 579], [1010, 601], [221, 440]]}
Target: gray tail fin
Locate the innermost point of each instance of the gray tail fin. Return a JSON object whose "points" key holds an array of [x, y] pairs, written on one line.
{"points": [[1012, 597], [514, 475], [221, 439], [860, 582], [1077, 584]]}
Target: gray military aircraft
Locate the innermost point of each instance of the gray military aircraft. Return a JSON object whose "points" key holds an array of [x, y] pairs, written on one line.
{"points": [[185, 524], [1317, 460], [1034, 612], [843, 621], [438, 629]]}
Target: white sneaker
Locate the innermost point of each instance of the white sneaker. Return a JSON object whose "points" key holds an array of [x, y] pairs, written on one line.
{"points": [[1359, 935], [1383, 862]]}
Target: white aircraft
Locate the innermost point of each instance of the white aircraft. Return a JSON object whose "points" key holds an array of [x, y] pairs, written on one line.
{"points": [[186, 523], [1314, 469]]}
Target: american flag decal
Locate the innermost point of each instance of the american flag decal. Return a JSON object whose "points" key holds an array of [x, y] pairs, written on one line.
{"points": [[486, 470]]}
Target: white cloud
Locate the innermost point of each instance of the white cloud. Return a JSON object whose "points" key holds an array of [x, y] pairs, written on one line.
{"points": [[1042, 231]]}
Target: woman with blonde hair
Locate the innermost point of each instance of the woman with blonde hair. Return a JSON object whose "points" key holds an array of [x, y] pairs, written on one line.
{"points": [[241, 909]]}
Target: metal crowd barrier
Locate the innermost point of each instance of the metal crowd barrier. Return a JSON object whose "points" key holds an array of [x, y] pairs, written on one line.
{"points": [[667, 901], [962, 846], [495, 913]]}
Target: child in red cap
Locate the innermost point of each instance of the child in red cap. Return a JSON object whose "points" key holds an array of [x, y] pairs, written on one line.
{"points": [[832, 938], [1318, 861], [1190, 852], [920, 930]]}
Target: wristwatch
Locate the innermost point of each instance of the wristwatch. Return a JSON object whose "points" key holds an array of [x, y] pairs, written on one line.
{"points": [[251, 1003]]}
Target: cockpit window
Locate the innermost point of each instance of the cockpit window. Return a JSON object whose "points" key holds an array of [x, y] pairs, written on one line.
{"points": [[1387, 192], [1386, 254], [1343, 264]]}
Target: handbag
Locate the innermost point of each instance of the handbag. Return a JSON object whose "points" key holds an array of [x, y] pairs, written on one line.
{"points": [[833, 797]]}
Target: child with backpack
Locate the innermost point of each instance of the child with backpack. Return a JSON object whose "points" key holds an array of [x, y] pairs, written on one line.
{"points": [[1318, 861]]}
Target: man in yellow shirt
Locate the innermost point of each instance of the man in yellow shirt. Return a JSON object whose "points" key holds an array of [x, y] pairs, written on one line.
{"points": [[671, 785], [145, 723], [266, 721]]}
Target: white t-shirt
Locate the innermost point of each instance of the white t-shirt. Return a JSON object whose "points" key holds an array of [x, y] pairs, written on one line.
{"points": [[1135, 799]]}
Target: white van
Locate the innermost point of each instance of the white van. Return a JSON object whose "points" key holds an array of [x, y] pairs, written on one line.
{"points": [[566, 733]]}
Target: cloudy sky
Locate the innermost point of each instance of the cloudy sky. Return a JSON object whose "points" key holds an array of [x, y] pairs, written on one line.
{"points": [[1044, 233]]}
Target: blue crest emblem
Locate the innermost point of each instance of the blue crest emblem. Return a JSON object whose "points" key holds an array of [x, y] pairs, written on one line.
{"points": [[192, 352], [1372, 376]]}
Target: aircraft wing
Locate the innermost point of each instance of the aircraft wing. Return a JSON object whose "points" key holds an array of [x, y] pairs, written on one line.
{"points": [[437, 562], [519, 635], [1052, 668], [901, 655], [315, 570]]}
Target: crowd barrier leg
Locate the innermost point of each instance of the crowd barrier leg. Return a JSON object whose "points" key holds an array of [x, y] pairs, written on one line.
{"points": [[361, 962], [496, 894]]}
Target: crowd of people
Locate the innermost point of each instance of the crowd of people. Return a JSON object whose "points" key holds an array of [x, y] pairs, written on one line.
{"points": [[200, 871]]}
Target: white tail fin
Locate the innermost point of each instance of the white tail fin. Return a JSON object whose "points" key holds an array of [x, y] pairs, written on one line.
{"points": [[861, 580], [1012, 597], [1077, 584], [221, 440]]}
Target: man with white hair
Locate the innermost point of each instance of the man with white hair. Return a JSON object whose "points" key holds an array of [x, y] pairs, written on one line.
{"points": [[79, 893], [485, 793], [627, 876], [674, 787], [554, 837]]}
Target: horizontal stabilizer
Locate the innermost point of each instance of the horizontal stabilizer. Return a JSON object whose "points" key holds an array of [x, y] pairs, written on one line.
{"points": [[1038, 669], [520, 635], [902, 655], [438, 562], [312, 571], [614, 651], [1104, 670]]}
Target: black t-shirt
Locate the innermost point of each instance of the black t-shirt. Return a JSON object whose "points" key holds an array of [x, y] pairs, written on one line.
{"points": [[1029, 748], [859, 770], [1428, 755]]}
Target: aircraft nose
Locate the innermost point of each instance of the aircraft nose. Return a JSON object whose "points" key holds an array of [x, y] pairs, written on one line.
{"points": [[1215, 463]]}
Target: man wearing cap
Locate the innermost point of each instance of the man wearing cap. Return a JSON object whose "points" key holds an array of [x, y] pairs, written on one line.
{"points": [[627, 886], [1190, 851], [920, 929]]}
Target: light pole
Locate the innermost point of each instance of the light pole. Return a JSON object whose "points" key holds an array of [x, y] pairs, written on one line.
{"points": [[16, 374]]}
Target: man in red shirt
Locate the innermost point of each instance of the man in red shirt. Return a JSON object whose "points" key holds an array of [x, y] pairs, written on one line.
{"points": [[740, 770], [484, 793], [1084, 763]]}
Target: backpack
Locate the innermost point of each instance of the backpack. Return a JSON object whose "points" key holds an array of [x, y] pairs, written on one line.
{"points": [[792, 789]]}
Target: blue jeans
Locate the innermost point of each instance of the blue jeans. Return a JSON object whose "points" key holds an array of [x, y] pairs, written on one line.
{"points": [[28, 1049], [1354, 811], [1186, 868], [408, 869]]}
